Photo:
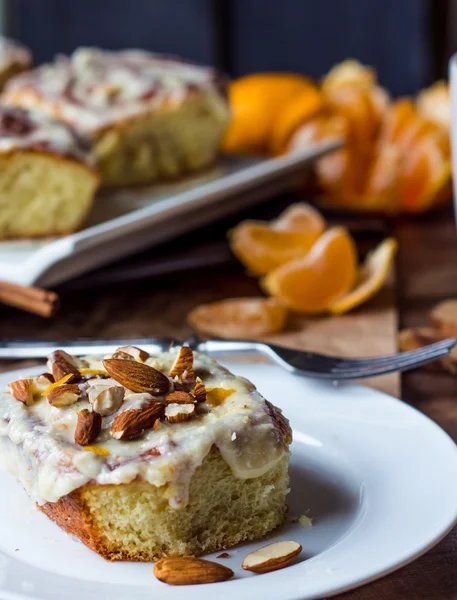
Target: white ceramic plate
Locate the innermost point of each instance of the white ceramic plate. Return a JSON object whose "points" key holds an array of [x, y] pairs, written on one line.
{"points": [[376, 476], [126, 221]]}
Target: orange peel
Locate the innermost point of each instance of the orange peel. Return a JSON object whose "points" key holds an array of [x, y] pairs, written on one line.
{"points": [[372, 276], [238, 318]]}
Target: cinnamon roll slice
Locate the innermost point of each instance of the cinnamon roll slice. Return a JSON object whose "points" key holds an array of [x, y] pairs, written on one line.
{"points": [[47, 175], [149, 116]]}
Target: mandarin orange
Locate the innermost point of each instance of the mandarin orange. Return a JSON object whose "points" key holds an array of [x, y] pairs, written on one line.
{"points": [[263, 246], [312, 283]]}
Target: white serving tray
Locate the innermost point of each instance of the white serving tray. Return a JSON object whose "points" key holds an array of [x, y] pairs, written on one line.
{"points": [[127, 221]]}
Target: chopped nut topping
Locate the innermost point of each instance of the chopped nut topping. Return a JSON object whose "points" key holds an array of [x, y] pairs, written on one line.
{"points": [[183, 365], [199, 391], [177, 413], [88, 427], [107, 400], [64, 395], [180, 397], [132, 422]]}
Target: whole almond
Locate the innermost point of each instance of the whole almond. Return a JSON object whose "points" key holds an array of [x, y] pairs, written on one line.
{"points": [[178, 413], [88, 427], [180, 397], [64, 395], [190, 571], [22, 390], [134, 352], [136, 376], [183, 365], [63, 364], [272, 557], [132, 422]]}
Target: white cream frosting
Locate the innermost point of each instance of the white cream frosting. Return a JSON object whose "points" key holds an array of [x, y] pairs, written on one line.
{"points": [[37, 442], [13, 53], [95, 88], [28, 129]]}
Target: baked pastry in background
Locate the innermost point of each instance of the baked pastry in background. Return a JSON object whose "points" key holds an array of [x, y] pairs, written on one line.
{"points": [[150, 116], [47, 176], [14, 58], [143, 456]]}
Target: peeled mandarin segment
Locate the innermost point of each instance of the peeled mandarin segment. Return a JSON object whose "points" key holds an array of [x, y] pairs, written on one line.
{"points": [[239, 318], [382, 187], [398, 116], [312, 283], [255, 100], [372, 277], [262, 247], [349, 73], [425, 171], [434, 104], [298, 111]]}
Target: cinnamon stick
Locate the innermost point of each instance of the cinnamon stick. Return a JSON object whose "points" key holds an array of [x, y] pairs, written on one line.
{"points": [[31, 299]]}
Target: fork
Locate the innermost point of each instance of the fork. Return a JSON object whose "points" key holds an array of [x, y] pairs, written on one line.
{"points": [[311, 364]]}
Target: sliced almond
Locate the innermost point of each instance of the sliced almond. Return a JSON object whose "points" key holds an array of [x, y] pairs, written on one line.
{"points": [[271, 557], [88, 427], [119, 354], [183, 367], [42, 382], [106, 401], [178, 413], [135, 352], [64, 395], [199, 391], [61, 364], [180, 397], [101, 383], [444, 318], [190, 571], [132, 422], [136, 376], [22, 390]]}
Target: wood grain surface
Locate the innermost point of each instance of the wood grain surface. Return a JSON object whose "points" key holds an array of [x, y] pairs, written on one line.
{"points": [[426, 273]]}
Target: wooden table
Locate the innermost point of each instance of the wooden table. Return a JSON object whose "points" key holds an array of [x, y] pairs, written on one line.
{"points": [[427, 273]]}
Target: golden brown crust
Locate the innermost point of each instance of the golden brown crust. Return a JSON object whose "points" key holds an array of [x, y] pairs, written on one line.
{"points": [[70, 514], [73, 513]]}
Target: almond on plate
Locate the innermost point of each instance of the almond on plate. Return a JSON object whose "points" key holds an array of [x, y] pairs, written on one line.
{"points": [[271, 557], [444, 318], [190, 571], [418, 337]]}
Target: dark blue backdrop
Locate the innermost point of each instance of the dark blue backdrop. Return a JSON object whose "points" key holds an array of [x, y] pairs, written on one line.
{"points": [[299, 35]]}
